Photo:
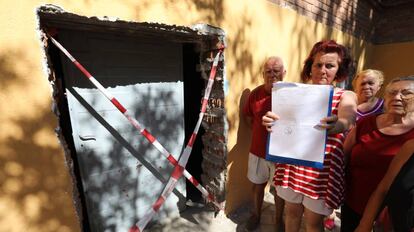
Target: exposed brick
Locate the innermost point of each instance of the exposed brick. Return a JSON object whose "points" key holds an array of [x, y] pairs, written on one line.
{"points": [[215, 137], [364, 19], [395, 25]]}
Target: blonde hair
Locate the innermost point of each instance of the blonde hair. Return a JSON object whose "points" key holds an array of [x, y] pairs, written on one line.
{"points": [[373, 72]]}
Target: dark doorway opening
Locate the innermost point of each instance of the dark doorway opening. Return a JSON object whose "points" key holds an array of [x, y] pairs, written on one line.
{"points": [[193, 88], [66, 131]]}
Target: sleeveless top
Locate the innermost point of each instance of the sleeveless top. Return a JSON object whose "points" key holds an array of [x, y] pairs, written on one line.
{"points": [[370, 157], [377, 109], [400, 198], [326, 183]]}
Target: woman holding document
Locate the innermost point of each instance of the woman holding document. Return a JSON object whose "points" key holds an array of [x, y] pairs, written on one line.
{"points": [[311, 191]]}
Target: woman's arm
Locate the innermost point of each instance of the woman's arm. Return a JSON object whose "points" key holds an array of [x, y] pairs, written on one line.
{"points": [[346, 115], [377, 197]]}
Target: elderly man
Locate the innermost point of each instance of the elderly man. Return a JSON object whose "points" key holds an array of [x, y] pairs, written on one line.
{"points": [[260, 170]]}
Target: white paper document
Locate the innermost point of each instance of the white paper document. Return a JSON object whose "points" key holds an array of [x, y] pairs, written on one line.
{"points": [[296, 137]]}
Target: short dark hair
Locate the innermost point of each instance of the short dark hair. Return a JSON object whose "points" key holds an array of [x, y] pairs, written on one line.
{"points": [[328, 46]]}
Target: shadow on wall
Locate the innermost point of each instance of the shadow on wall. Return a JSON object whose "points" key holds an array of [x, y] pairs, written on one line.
{"points": [[211, 11], [9, 76], [34, 190], [331, 15], [238, 158]]}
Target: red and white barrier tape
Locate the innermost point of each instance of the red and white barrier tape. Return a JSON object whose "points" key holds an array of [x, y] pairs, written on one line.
{"points": [[178, 170], [209, 197]]}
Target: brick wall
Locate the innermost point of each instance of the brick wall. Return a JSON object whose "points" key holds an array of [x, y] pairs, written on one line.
{"points": [[396, 24], [351, 16], [378, 22], [214, 122]]}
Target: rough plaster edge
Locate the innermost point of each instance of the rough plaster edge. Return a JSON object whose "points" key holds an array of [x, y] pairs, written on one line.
{"points": [[199, 28], [58, 131], [54, 9], [206, 29]]}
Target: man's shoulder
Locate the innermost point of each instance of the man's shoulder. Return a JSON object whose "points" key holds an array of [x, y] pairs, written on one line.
{"points": [[259, 89]]}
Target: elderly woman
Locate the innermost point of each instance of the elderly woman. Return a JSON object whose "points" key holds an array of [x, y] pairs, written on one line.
{"points": [[366, 85], [396, 188], [373, 143], [310, 191]]}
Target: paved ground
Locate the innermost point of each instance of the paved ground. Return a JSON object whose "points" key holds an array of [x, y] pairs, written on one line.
{"points": [[201, 219]]}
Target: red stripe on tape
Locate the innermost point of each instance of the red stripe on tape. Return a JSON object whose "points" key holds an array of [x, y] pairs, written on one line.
{"points": [[158, 203], [87, 74], [213, 72], [192, 139], [148, 136], [178, 171], [172, 160], [134, 228], [194, 181], [210, 197], [204, 107], [118, 105]]}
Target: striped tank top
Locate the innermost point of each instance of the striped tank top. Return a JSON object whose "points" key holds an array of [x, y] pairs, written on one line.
{"points": [[327, 183]]}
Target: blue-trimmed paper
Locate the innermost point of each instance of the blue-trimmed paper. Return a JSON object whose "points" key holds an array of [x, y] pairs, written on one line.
{"points": [[295, 137]]}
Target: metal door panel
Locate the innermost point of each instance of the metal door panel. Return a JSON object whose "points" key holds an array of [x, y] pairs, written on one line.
{"points": [[121, 172]]}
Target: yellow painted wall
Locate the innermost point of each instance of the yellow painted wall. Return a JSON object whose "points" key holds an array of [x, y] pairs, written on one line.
{"points": [[395, 60], [35, 188]]}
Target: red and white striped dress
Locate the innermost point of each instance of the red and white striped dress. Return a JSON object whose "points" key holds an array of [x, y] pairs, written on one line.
{"points": [[327, 183]]}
